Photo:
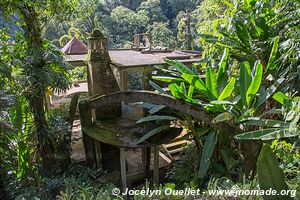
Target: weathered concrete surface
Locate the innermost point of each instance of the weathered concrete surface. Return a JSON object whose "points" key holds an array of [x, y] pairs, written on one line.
{"points": [[101, 81], [100, 76], [127, 58], [150, 97]]}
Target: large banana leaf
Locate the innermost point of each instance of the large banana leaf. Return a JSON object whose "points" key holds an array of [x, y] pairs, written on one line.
{"points": [[268, 92], [227, 90], [175, 90], [271, 62], [242, 34], [255, 84], [222, 73], [270, 175], [208, 150], [245, 79], [266, 122], [191, 91], [157, 87], [156, 109], [168, 79], [155, 117], [267, 134], [152, 132], [195, 81], [282, 98], [180, 67], [211, 84]]}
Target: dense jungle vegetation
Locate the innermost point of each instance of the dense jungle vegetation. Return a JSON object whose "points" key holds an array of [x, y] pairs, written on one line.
{"points": [[249, 86]]}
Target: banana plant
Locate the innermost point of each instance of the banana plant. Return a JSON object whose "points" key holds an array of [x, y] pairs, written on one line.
{"points": [[276, 129], [228, 99], [186, 84], [270, 175]]}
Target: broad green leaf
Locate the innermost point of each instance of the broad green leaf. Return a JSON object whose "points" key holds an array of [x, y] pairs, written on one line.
{"points": [[156, 109], [270, 175], [211, 83], [266, 122], [225, 116], [166, 71], [266, 134], [222, 74], [195, 81], [255, 84], [167, 79], [175, 90], [268, 92], [152, 132], [155, 117], [242, 34], [208, 150], [282, 98], [183, 88], [157, 87], [227, 156], [179, 66], [221, 102], [245, 79], [273, 54], [283, 133], [201, 131], [273, 111], [191, 91], [227, 90]]}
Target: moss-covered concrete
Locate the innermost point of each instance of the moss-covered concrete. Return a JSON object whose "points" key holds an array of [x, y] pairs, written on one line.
{"points": [[122, 132]]}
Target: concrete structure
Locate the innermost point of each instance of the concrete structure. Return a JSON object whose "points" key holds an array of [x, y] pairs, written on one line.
{"points": [[105, 134]]}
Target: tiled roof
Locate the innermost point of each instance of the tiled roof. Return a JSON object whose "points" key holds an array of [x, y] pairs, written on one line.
{"points": [[75, 47]]}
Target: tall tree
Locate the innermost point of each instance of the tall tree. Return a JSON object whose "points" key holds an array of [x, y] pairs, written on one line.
{"points": [[153, 9], [41, 65]]}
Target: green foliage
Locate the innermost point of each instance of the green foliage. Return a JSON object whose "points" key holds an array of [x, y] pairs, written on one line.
{"points": [[184, 172], [127, 23], [207, 153], [161, 35], [259, 31], [220, 94], [282, 129], [153, 10], [59, 138], [269, 174], [72, 32], [289, 157], [76, 183], [225, 183], [78, 73]]}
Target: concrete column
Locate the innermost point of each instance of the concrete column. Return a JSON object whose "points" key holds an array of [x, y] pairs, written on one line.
{"points": [[101, 81]]}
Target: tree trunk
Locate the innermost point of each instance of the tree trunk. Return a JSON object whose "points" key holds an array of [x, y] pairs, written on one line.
{"points": [[35, 55], [250, 150]]}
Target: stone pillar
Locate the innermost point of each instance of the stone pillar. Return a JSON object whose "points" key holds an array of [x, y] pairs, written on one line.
{"points": [[101, 81], [188, 37]]}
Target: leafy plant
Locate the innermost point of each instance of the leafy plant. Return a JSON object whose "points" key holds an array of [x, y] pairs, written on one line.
{"points": [[289, 157], [278, 129], [270, 175], [230, 101]]}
